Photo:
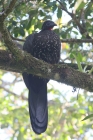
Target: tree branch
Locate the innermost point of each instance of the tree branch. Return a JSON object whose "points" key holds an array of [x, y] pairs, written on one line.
{"points": [[9, 42], [63, 8], [51, 102], [18, 39], [71, 40], [7, 90], [9, 9], [59, 72], [73, 16]]}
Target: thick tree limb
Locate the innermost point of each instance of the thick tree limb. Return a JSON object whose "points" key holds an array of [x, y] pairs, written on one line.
{"points": [[7, 59], [59, 72], [9, 42]]}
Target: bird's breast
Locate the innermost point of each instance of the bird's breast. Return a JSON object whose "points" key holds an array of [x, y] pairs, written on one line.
{"points": [[46, 46]]}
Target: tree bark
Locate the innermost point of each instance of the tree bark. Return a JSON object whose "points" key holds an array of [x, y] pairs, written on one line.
{"points": [[59, 72]]}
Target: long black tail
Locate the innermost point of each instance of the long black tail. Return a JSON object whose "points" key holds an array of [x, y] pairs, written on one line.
{"points": [[37, 102]]}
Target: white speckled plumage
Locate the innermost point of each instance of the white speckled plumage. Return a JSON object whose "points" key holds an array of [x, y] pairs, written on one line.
{"points": [[44, 45]]}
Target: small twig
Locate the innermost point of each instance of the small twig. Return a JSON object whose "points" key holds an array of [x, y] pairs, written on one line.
{"points": [[71, 40], [3, 6], [18, 39], [77, 40], [7, 90], [63, 8], [63, 60]]}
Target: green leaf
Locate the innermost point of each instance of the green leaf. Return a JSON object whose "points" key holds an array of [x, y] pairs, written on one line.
{"points": [[20, 136], [16, 31], [22, 31], [59, 13], [69, 29], [50, 3], [81, 6], [78, 58], [14, 23], [87, 117], [54, 8], [29, 24], [79, 64], [75, 32], [41, 13], [72, 4]]}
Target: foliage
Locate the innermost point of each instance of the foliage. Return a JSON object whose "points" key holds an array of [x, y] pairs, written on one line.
{"points": [[65, 111]]}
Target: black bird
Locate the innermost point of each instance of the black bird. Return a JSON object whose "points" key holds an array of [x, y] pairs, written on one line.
{"points": [[44, 45]]}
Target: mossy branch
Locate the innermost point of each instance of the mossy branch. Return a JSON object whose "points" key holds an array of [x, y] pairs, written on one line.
{"points": [[59, 72]]}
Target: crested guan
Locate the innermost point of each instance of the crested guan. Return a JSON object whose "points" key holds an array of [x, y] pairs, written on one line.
{"points": [[44, 45]]}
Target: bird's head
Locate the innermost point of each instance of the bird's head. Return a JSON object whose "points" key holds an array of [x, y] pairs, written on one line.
{"points": [[48, 25]]}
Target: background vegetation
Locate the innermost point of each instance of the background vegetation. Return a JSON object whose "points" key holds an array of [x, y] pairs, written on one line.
{"points": [[66, 108]]}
